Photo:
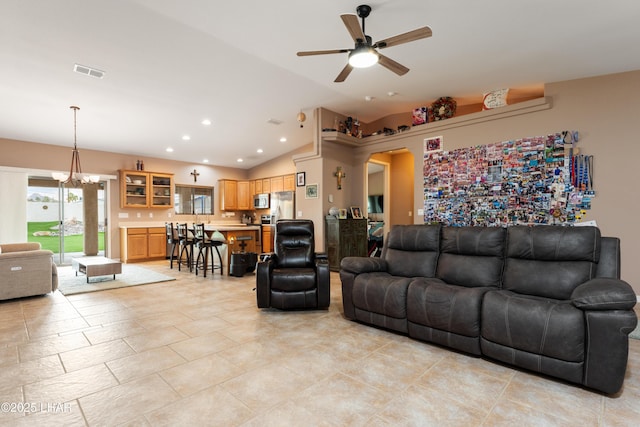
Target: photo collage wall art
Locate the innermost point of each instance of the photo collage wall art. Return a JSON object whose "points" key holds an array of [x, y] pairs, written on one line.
{"points": [[536, 180]]}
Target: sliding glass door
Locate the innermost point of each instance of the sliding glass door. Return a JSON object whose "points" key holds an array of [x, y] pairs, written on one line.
{"points": [[55, 218]]}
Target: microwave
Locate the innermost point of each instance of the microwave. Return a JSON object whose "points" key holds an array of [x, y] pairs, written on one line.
{"points": [[261, 201]]}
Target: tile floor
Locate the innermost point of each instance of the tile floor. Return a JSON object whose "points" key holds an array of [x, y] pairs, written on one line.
{"points": [[197, 351]]}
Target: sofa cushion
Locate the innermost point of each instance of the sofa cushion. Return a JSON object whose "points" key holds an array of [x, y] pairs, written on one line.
{"points": [[293, 279], [381, 293], [539, 326], [550, 261], [431, 302], [412, 250], [472, 256]]}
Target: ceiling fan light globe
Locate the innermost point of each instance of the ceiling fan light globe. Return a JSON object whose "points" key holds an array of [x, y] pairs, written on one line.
{"points": [[363, 58]]}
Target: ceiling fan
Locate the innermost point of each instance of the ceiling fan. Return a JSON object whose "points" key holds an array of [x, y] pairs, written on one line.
{"points": [[364, 54]]}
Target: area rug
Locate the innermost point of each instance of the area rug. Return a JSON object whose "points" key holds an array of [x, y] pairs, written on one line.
{"points": [[132, 275]]}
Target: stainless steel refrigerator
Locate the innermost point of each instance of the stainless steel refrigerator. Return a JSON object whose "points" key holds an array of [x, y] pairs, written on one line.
{"points": [[283, 206]]}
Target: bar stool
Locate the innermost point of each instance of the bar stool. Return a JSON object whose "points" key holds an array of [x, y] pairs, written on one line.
{"points": [[205, 247], [172, 240], [186, 246]]}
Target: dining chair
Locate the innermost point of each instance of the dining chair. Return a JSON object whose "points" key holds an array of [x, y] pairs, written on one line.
{"points": [[185, 242], [172, 240], [205, 247]]}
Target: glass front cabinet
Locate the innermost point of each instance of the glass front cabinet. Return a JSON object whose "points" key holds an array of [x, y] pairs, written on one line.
{"points": [[140, 189]]}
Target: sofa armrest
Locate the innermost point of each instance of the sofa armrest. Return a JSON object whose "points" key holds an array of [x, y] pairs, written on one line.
{"points": [[323, 280], [322, 256], [604, 294], [263, 282], [361, 265]]}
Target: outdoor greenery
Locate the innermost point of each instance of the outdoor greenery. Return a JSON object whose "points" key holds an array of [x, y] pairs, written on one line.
{"points": [[72, 243]]}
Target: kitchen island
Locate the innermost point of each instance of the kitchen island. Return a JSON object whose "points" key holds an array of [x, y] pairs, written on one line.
{"points": [[146, 241]]}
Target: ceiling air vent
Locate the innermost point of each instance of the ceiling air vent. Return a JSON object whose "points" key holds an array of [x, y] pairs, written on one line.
{"points": [[93, 72], [274, 121]]}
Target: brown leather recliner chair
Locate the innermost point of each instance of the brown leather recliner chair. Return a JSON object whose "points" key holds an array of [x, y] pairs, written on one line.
{"points": [[294, 276]]}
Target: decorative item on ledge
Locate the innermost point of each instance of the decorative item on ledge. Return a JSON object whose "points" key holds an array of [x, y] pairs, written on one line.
{"points": [[444, 108], [495, 99], [420, 116]]}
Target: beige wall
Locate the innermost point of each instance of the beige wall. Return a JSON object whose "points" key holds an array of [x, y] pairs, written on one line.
{"points": [[376, 183], [402, 188]]}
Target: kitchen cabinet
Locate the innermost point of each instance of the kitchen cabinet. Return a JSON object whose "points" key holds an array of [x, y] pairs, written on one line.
{"points": [[245, 196], [142, 244], [345, 237], [258, 185], [228, 194], [289, 183], [266, 185], [140, 189], [236, 195], [277, 184], [267, 238]]}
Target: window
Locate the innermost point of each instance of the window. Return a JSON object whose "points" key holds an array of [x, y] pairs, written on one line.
{"points": [[191, 200]]}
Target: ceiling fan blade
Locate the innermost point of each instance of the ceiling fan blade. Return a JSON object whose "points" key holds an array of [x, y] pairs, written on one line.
{"points": [[344, 74], [392, 65], [420, 33], [353, 26], [322, 52]]}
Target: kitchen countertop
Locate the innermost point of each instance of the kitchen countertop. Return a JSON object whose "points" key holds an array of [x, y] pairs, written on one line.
{"points": [[219, 227]]}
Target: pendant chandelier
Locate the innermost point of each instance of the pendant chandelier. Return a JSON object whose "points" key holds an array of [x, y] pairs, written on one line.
{"points": [[75, 176]]}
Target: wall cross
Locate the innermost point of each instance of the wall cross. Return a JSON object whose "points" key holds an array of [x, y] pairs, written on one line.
{"points": [[339, 174], [195, 175]]}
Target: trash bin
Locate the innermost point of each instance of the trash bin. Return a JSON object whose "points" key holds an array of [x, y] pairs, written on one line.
{"points": [[242, 263]]}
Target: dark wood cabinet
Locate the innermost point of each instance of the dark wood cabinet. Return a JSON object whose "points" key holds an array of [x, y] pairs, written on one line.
{"points": [[345, 237]]}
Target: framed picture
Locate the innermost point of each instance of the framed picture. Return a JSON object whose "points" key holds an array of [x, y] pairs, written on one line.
{"points": [[342, 214], [311, 191], [356, 213], [300, 179], [433, 144]]}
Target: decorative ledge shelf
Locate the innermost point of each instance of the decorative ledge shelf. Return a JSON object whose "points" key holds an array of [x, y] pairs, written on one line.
{"points": [[526, 107]]}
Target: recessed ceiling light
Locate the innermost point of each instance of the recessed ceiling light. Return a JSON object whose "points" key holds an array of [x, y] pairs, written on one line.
{"points": [[283, 139], [259, 150], [186, 137], [206, 122], [239, 160], [169, 150], [205, 160]]}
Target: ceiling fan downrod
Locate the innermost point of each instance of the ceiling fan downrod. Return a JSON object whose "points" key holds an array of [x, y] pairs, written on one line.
{"points": [[363, 11]]}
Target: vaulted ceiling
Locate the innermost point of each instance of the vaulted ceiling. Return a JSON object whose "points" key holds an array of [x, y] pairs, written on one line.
{"points": [[169, 64]]}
